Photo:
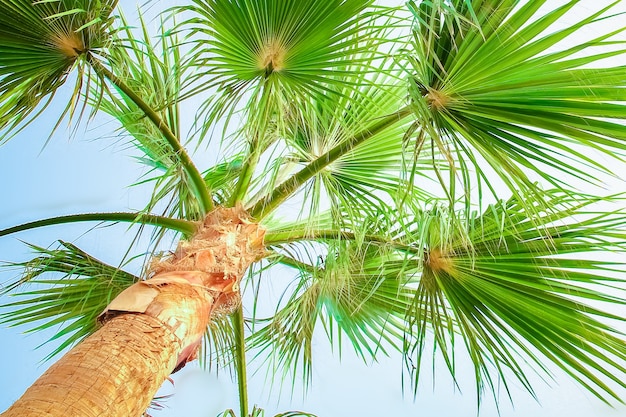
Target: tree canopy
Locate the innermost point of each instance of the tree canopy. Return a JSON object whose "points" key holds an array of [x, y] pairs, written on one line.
{"points": [[431, 178]]}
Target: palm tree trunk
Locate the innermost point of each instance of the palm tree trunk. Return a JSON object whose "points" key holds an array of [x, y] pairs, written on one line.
{"points": [[151, 328], [114, 372]]}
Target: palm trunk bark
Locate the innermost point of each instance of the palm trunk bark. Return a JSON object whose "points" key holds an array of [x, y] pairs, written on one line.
{"points": [[151, 328], [114, 372]]}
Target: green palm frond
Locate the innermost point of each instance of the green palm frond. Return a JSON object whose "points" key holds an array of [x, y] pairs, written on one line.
{"points": [[364, 290], [359, 180], [285, 342], [149, 73], [221, 178], [451, 16], [518, 293], [374, 171], [358, 292], [277, 50], [261, 61], [505, 93], [41, 42], [70, 300], [219, 342], [384, 228], [172, 191]]}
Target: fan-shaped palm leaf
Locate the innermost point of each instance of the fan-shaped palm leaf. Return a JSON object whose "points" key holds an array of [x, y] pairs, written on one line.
{"points": [[270, 56], [40, 43], [278, 50], [72, 301], [374, 173], [346, 146], [355, 284], [514, 290], [506, 92]]}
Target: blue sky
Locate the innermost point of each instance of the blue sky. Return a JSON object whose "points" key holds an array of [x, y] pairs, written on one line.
{"points": [[91, 172]]}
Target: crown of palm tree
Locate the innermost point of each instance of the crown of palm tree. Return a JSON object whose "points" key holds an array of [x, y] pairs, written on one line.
{"points": [[362, 152]]}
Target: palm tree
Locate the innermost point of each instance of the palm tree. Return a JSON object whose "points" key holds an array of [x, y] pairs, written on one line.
{"points": [[410, 166]]}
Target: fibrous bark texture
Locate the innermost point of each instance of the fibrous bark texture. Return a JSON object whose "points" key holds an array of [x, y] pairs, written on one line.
{"points": [[111, 373], [152, 328]]}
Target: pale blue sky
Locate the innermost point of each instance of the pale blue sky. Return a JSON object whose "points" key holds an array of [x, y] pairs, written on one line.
{"points": [[83, 175]]}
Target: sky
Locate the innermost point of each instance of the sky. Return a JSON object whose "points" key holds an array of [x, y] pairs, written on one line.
{"points": [[91, 171]]}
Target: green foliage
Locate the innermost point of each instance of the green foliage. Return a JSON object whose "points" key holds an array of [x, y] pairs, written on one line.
{"points": [[358, 291], [154, 71], [40, 43], [278, 50], [367, 175], [75, 291], [513, 290], [363, 138], [505, 93]]}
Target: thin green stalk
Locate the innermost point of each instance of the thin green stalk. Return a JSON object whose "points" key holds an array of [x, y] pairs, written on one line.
{"points": [[257, 135], [267, 204], [294, 263], [197, 182], [277, 238], [184, 226], [240, 360], [244, 178]]}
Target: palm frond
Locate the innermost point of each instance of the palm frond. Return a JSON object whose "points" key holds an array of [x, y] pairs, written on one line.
{"points": [[271, 58], [70, 300], [219, 342], [285, 342], [517, 293], [505, 93], [263, 55], [371, 175], [40, 44], [221, 178], [346, 146], [355, 291]]}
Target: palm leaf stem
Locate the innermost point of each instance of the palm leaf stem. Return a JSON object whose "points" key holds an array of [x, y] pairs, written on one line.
{"points": [[254, 154], [277, 238], [243, 182], [185, 227], [267, 204], [291, 262], [240, 359], [197, 182]]}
